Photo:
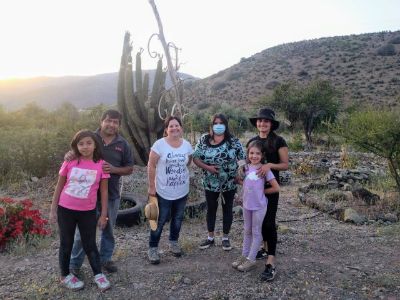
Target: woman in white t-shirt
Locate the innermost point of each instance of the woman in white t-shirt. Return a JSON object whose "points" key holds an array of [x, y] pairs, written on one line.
{"points": [[168, 177]]}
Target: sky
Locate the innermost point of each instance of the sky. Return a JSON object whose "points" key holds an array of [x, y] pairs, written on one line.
{"points": [[85, 37]]}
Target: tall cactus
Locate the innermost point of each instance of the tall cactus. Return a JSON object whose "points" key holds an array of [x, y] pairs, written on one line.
{"points": [[141, 122]]}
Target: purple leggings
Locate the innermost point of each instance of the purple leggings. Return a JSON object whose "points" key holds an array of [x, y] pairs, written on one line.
{"points": [[252, 236]]}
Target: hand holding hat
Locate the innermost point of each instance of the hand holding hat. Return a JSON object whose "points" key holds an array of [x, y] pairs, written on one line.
{"points": [[151, 212]]}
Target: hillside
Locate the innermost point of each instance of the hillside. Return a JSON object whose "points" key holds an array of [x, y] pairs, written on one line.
{"points": [[366, 68], [51, 92]]}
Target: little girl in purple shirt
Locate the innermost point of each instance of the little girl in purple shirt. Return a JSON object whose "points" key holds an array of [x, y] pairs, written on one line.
{"points": [[254, 206]]}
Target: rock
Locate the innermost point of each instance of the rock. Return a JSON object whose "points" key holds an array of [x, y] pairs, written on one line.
{"points": [[304, 189], [187, 280], [302, 197], [317, 186], [332, 184], [349, 196], [285, 177], [238, 210], [283, 229], [34, 179], [346, 187], [352, 216], [368, 197], [389, 217]]}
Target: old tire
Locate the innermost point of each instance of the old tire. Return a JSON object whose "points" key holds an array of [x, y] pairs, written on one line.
{"points": [[134, 215], [196, 209]]}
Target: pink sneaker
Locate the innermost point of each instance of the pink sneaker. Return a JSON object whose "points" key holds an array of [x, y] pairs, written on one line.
{"points": [[102, 282], [72, 282]]}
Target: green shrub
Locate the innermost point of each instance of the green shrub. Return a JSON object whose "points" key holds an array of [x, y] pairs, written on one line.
{"points": [[395, 40], [203, 105], [376, 131], [295, 143], [34, 140], [235, 75], [218, 85], [386, 50]]}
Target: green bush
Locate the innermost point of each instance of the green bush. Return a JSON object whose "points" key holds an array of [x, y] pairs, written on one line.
{"points": [[395, 40], [218, 85], [295, 143], [309, 104], [235, 75], [376, 131], [386, 50], [34, 140]]}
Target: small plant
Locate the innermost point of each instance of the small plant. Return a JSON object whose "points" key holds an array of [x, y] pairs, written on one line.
{"points": [[347, 161], [18, 221], [304, 168], [296, 142]]}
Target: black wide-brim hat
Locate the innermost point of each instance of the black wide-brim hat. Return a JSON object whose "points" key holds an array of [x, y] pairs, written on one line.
{"points": [[267, 114]]}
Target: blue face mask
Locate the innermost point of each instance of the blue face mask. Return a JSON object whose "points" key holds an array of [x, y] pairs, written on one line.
{"points": [[219, 129]]}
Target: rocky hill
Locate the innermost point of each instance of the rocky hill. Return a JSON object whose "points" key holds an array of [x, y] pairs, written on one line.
{"points": [[365, 67]]}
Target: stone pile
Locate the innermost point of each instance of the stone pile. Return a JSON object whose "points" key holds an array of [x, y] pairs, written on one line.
{"points": [[285, 177], [340, 177]]}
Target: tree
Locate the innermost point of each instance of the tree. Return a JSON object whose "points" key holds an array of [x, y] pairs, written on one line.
{"points": [[310, 104], [376, 131]]}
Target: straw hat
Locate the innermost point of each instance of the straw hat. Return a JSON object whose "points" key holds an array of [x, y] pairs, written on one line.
{"points": [[151, 212]]}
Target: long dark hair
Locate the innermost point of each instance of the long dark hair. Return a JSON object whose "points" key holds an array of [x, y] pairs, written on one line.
{"points": [[169, 119], [97, 153], [227, 134], [271, 142]]}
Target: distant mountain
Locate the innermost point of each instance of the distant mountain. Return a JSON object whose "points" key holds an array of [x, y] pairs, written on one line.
{"points": [[51, 92], [365, 67]]}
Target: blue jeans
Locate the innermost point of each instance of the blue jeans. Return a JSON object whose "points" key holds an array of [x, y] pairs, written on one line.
{"points": [[107, 242], [175, 208]]}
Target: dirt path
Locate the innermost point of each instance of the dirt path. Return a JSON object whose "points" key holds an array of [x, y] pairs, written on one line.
{"points": [[319, 258]]}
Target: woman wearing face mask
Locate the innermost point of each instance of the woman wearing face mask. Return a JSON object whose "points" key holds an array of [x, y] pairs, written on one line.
{"points": [[218, 154]]}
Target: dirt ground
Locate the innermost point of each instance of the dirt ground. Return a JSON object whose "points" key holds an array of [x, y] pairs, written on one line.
{"points": [[318, 258]]}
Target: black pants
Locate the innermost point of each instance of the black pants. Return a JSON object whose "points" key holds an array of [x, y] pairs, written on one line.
{"points": [[86, 220], [212, 206], [269, 232]]}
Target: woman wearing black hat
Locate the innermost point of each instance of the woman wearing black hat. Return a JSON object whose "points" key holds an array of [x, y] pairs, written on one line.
{"points": [[275, 152]]}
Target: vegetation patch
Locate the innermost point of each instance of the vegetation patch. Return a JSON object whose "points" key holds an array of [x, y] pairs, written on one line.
{"points": [[19, 222]]}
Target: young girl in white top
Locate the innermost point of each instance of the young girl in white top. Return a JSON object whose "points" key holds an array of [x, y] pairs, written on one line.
{"points": [[74, 204], [254, 206]]}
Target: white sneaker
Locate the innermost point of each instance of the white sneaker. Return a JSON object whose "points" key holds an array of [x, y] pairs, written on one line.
{"points": [[238, 261], [247, 266], [102, 282], [72, 282]]}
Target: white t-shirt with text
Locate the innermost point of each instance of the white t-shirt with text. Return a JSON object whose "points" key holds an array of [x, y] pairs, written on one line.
{"points": [[172, 173]]}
